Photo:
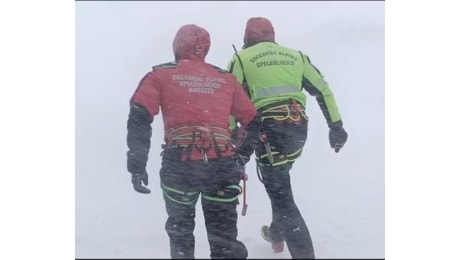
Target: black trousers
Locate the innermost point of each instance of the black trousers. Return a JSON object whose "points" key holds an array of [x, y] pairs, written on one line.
{"points": [[288, 225], [217, 182]]}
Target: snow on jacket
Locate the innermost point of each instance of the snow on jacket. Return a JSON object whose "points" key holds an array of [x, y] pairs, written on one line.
{"points": [[190, 93], [272, 73]]}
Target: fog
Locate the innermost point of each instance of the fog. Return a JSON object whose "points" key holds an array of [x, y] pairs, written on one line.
{"points": [[341, 195]]}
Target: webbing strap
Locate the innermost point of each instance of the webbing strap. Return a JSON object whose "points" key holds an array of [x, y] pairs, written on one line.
{"points": [[224, 199], [186, 198], [292, 112], [278, 158], [202, 136]]}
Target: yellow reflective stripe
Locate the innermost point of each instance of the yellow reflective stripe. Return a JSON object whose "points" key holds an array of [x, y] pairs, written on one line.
{"points": [[275, 91], [178, 191], [236, 187], [294, 153], [266, 155], [278, 163], [281, 163], [178, 201], [220, 199], [192, 193], [289, 158]]}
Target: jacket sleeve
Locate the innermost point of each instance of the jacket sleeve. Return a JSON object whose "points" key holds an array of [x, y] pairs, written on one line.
{"points": [[138, 138], [315, 84], [143, 107], [248, 137], [245, 113], [235, 67], [147, 94]]}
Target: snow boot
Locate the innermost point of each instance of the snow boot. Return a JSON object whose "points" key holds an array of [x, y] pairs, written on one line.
{"points": [[277, 246]]}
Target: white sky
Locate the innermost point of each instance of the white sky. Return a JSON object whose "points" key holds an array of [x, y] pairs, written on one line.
{"points": [[37, 59]]}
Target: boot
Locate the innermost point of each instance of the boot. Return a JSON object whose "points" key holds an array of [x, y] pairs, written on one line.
{"points": [[277, 246]]}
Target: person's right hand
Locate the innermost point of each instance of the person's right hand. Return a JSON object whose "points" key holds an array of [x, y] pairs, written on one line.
{"points": [[337, 138]]}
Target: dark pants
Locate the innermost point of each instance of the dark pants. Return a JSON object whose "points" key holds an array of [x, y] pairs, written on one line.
{"points": [[217, 182], [288, 225]]}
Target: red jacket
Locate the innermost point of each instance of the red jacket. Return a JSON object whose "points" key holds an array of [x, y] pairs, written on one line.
{"points": [[191, 92]]}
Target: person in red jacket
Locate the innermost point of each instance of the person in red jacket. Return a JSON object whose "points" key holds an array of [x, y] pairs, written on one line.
{"points": [[196, 100]]}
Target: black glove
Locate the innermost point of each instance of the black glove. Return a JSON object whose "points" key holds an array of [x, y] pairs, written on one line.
{"points": [[138, 179], [337, 138]]}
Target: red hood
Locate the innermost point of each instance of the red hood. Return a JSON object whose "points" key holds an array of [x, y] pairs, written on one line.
{"points": [[191, 42], [258, 29]]}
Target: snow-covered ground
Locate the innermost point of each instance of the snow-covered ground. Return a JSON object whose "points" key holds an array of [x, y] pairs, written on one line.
{"points": [[341, 196]]}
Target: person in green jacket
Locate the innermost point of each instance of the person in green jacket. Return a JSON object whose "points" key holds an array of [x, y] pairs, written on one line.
{"points": [[274, 77]]}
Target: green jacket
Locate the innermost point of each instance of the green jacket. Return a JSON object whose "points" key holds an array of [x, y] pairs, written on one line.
{"points": [[271, 73]]}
